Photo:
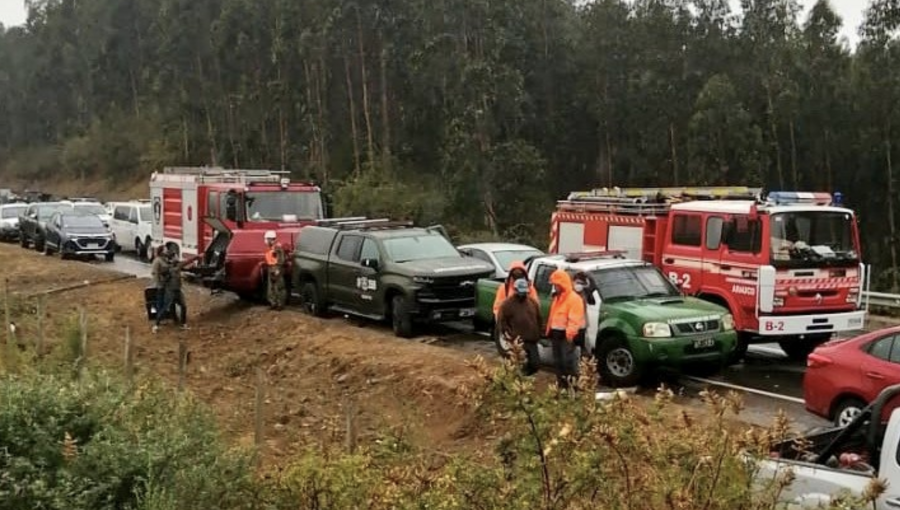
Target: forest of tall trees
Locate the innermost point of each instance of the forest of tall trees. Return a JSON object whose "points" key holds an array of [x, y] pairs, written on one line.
{"points": [[478, 113]]}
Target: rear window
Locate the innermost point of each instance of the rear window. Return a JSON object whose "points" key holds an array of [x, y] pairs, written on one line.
{"points": [[315, 240]]}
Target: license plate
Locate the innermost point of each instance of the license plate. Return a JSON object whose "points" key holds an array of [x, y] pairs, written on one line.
{"points": [[702, 343], [467, 312], [93, 245]]}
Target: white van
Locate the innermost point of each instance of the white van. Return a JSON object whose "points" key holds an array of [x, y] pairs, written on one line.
{"points": [[130, 224]]}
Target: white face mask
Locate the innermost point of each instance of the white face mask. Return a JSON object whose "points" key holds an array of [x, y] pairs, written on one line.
{"points": [[579, 287]]}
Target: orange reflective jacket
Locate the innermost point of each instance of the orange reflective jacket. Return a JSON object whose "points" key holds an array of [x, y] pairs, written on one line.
{"points": [[567, 307], [506, 289], [275, 255]]}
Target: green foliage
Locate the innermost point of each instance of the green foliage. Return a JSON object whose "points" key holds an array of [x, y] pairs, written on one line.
{"points": [[374, 195], [94, 445]]}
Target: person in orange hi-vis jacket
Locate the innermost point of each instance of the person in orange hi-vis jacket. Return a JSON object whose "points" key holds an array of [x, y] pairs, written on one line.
{"points": [[563, 325], [276, 291], [517, 270]]}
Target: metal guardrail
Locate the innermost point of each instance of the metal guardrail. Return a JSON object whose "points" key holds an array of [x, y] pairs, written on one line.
{"points": [[882, 299]]}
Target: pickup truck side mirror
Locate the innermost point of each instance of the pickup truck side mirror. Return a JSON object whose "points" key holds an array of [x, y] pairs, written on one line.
{"points": [[370, 263]]}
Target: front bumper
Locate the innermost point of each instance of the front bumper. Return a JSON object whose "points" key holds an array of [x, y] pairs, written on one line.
{"points": [[443, 310], [88, 246], [686, 350], [9, 234], [782, 325]]}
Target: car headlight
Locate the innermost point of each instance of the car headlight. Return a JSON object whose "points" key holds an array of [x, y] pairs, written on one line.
{"points": [[424, 280], [727, 322], [656, 330]]}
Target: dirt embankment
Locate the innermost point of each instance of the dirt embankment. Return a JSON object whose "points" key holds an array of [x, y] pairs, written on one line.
{"points": [[313, 368]]}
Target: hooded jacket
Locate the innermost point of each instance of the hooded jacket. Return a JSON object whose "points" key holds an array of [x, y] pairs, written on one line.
{"points": [[506, 289], [567, 307]]}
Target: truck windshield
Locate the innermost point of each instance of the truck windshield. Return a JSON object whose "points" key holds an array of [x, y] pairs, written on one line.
{"points": [[12, 211], [638, 282], [284, 206], [407, 249], [812, 239]]}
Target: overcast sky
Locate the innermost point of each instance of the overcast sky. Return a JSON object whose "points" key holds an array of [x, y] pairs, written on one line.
{"points": [[12, 12]]}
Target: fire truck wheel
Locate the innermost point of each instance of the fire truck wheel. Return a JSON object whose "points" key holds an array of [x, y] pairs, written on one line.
{"points": [[309, 298], [798, 349], [740, 349], [616, 363], [401, 320]]}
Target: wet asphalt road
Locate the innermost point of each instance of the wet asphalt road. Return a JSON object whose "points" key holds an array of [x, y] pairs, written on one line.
{"points": [[765, 367]]}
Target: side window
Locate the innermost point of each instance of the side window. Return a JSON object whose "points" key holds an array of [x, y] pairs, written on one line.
{"points": [[881, 348], [744, 235], [542, 278], [31, 210], [478, 254], [369, 251], [714, 227], [349, 248], [120, 213], [133, 215], [686, 230]]}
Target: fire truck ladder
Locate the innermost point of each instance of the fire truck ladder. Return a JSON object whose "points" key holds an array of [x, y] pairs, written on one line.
{"points": [[649, 201], [214, 175]]}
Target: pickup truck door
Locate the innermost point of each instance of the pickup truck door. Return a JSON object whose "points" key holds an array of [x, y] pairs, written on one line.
{"points": [[343, 272]]}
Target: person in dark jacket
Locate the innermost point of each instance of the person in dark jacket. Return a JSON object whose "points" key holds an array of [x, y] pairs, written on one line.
{"points": [[519, 317]]}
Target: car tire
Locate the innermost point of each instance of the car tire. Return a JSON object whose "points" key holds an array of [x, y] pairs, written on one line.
{"points": [[110, 256], [740, 348], [616, 363], [47, 250], [798, 349], [310, 301], [138, 249], [847, 409], [38, 244], [401, 319], [23, 241]]}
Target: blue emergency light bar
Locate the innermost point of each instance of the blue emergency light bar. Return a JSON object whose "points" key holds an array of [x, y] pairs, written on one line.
{"points": [[799, 197]]}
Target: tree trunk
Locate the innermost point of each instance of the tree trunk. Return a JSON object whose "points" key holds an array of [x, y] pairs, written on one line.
{"points": [[890, 202], [609, 160], [365, 89], [385, 115], [674, 153], [794, 172], [354, 131], [773, 128], [320, 108], [829, 173], [210, 130]]}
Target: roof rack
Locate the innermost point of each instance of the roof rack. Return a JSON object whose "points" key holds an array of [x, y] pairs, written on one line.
{"points": [[331, 221], [649, 201], [206, 174], [594, 255], [363, 223]]}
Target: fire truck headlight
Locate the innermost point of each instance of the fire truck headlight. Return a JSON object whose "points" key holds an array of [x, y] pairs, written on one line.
{"points": [[656, 330], [727, 322]]}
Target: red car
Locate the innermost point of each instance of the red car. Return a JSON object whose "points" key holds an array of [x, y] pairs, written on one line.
{"points": [[843, 376]]}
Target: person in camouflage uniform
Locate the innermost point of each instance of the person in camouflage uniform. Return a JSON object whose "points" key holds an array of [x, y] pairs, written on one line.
{"points": [[275, 260]]}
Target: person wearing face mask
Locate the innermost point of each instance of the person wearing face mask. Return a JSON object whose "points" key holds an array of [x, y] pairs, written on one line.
{"points": [[581, 285], [563, 324], [517, 271], [520, 318]]}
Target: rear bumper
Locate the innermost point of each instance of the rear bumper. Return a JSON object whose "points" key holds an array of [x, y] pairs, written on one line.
{"points": [[782, 325]]}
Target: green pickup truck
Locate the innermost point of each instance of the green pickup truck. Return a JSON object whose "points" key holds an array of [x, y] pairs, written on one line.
{"points": [[385, 270], [637, 319]]}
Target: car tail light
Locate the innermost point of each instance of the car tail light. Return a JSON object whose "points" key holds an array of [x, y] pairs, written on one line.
{"points": [[817, 361]]}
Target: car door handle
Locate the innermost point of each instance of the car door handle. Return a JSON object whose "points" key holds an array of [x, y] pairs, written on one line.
{"points": [[874, 375], [669, 261], [893, 502]]}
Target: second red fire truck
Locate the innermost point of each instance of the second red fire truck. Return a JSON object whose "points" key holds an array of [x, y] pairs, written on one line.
{"points": [[222, 215], [787, 265]]}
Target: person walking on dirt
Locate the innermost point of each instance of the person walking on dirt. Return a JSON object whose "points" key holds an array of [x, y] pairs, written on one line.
{"points": [[173, 296], [517, 271], [275, 259], [520, 318], [565, 321], [159, 271]]}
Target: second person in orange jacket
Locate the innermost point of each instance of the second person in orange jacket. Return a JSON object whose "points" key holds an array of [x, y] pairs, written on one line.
{"points": [[517, 270], [564, 323]]}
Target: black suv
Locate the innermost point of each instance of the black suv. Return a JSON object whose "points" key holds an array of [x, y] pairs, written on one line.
{"points": [[385, 270]]}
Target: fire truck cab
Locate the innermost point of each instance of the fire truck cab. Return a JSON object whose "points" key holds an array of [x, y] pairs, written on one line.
{"points": [[221, 215], [787, 265]]}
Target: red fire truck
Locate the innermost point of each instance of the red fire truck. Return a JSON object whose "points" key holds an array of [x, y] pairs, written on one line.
{"points": [[222, 216], [787, 265]]}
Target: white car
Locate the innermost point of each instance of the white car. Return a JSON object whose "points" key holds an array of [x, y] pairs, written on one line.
{"points": [[501, 255], [91, 207], [9, 220], [130, 224]]}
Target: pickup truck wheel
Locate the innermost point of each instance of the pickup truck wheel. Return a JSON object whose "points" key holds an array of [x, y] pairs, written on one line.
{"points": [[47, 250], [138, 249], [616, 363], [401, 320], [38, 244], [846, 410], [309, 300], [23, 241], [110, 256]]}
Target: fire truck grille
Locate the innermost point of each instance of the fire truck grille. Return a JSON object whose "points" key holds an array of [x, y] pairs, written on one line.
{"points": [[697, 327], [450, 288]]}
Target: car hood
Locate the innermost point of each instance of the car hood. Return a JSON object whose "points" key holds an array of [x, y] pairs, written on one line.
{"points": [[668, 309], [85, 231], [9, 222], [441, 267]]}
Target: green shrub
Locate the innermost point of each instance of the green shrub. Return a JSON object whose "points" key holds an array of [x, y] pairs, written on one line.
{"points": [[93, 445]]}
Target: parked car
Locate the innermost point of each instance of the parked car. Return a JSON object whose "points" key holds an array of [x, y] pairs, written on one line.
{"points": [[131, 226], [385, 270], [9, 220], [34, 221], [637, 320], [500, 255], [77, 233], [839, 461], [91, 207], [843, 376]]}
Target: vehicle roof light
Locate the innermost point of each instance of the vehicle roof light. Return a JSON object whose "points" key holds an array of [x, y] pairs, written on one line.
{"points": [[799, 197]]}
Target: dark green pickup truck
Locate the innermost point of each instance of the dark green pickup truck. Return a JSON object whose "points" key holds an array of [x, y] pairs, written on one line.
{"points": [[637, 321], [385, 270]]}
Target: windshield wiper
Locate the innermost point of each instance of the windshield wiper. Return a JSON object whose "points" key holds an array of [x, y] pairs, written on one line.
{"points": [[659, 294]]}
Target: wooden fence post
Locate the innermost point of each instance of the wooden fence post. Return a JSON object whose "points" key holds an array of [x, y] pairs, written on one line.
{"points": [[350, 407], [182, 363], [83, 351], [39, 343], [258, 412], [129, 357], [9, 347]]}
